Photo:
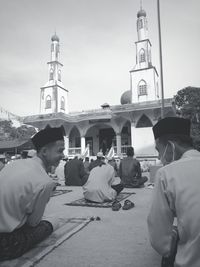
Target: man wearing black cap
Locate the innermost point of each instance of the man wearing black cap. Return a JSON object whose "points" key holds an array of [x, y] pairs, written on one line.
{"points": [[176, 195], [25, 189]]}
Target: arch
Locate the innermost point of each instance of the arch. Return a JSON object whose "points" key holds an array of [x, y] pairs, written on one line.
{"points": [[51, 74], [100, 136], [59, 75], [142, 57], [62, 103], [74, 137], [142, 88], [48, 102], [140, 24], [126, 134], [144, 121]]}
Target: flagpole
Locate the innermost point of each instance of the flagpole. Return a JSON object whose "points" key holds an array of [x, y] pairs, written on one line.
{"points": [[161, 65]]}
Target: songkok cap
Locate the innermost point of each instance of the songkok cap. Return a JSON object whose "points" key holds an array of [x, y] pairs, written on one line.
{"points": [[47, 136], [99, 154], [171, 125]]}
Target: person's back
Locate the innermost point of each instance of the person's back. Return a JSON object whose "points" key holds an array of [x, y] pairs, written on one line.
{"points": [[75, 173], [98, 187], [14, 210], [129, 170], [181, 183]]}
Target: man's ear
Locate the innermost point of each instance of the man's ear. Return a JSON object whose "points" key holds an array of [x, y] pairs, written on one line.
{"points": [[43, 150]]}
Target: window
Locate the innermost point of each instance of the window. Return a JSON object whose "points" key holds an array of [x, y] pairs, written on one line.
{"points": [[140, 24], [48, 102], [51, 74], [144, 121], [59, 75], [52, 47], [63, 103], [142, 55], [142, 88]]}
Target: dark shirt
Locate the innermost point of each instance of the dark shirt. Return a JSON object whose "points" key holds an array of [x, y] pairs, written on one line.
{"points": [[129, 170], [75, 173]]}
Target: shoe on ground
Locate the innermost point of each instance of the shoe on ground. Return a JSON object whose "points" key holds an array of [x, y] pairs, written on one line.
{"points": [[116, 206], [128, 205]]}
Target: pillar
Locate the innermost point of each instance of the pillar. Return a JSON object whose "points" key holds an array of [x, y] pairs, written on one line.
{"points": [[132, 134], [82, 144], [119, 143], [66, 140]]}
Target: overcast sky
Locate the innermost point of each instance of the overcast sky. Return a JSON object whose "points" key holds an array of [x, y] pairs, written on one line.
{"points": [[97, 48]]}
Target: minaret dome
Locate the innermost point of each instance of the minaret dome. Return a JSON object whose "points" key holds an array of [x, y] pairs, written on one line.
{"points": [[54, 38], [141, 13]]}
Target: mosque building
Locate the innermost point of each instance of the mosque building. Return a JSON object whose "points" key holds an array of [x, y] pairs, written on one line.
{"points": [[113, 127]]}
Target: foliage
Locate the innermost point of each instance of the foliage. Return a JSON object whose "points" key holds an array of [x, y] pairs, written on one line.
{"points": [[187, 102], [9, 132]]}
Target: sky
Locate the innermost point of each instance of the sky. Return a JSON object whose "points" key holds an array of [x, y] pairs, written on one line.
{"points": [[97, 48]]}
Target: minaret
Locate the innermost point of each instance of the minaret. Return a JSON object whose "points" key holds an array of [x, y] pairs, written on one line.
{"points": [[144, 76], [54, 97]]}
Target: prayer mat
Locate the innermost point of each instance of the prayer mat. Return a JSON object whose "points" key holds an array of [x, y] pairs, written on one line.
{"points": [[67, 228], [85, 203], [58, 192]]}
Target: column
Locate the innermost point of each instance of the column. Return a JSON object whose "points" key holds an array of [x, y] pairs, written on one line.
{"points": [[119, 143], [133, 134], [66, 140], [82, 144]]}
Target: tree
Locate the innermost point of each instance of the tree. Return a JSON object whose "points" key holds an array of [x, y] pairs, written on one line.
{"points": [[187, 102], [9, 132]]}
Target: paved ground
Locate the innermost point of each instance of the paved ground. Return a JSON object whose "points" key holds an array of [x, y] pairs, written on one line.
{"points": [[120, 239]]}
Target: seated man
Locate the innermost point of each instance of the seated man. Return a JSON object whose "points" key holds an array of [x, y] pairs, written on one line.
{"points": [[25, 189], [96, 162], [130, 171], [101, 185], [75, 173]]}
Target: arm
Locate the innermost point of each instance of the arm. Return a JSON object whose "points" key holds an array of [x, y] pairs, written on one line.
{"points": [[161, 217], [39, 204], [139, 172]]}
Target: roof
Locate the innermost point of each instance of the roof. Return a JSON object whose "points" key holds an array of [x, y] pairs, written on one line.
{"points": [[13, 143]]}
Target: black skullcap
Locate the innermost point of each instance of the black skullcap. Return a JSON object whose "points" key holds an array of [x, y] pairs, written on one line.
{"points": [[171, 125], [47, 135]]}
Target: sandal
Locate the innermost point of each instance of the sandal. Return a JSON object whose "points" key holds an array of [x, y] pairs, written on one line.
{"points": [[116, 205], [128, 205]]}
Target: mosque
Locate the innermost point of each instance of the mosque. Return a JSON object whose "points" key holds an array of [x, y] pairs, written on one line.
{"points": [[113, 127]]}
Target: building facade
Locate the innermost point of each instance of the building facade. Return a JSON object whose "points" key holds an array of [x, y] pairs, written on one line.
{"points": [[109, 127]]}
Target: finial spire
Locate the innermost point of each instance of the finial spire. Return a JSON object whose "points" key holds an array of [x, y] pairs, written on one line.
{"points": [[140, 4]]}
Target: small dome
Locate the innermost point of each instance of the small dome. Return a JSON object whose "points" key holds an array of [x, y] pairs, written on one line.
{"points": [[141, 13], [126, 98], [55, 38]]}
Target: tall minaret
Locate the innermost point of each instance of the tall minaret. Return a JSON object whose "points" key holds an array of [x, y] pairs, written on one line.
{"points": [[144, 76], [54, 97]]}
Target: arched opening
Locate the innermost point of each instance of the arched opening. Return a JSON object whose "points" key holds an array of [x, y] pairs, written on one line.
{"points": [[144, 121], [51, 74], [62, 104], [142, 88], [48, 102], [100, 137], [74, 141], [142, 55], [59, 75]]}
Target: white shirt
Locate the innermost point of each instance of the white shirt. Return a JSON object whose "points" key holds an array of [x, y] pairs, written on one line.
{"points": [[98, 186], [177, 194], [25, 189]]}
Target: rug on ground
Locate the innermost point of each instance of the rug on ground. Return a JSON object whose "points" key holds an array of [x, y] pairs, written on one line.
{"points": [[85, 203], [58, 192], [67, 228]]}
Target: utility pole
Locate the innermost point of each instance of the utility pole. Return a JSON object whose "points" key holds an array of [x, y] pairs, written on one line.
{"points": [[161, 65]]}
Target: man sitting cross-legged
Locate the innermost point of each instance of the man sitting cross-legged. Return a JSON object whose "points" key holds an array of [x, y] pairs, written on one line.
{"points": [[25, 189], [101, 185], [130, 171]]}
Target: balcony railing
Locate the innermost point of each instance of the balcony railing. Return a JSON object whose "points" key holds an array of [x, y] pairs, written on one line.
{"points": [[123, 149], [72, 151]]}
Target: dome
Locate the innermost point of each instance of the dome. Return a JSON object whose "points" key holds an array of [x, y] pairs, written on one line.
{"points": [[141, 13], [126, 98], [55, 38]]}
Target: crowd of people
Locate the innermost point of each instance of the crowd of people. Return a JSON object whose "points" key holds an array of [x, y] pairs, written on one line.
{"points": [[173, 220]]}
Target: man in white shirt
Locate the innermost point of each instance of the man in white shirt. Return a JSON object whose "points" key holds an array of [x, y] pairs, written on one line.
{"points": [[25, 189], [101, 185], [176, 195]]}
